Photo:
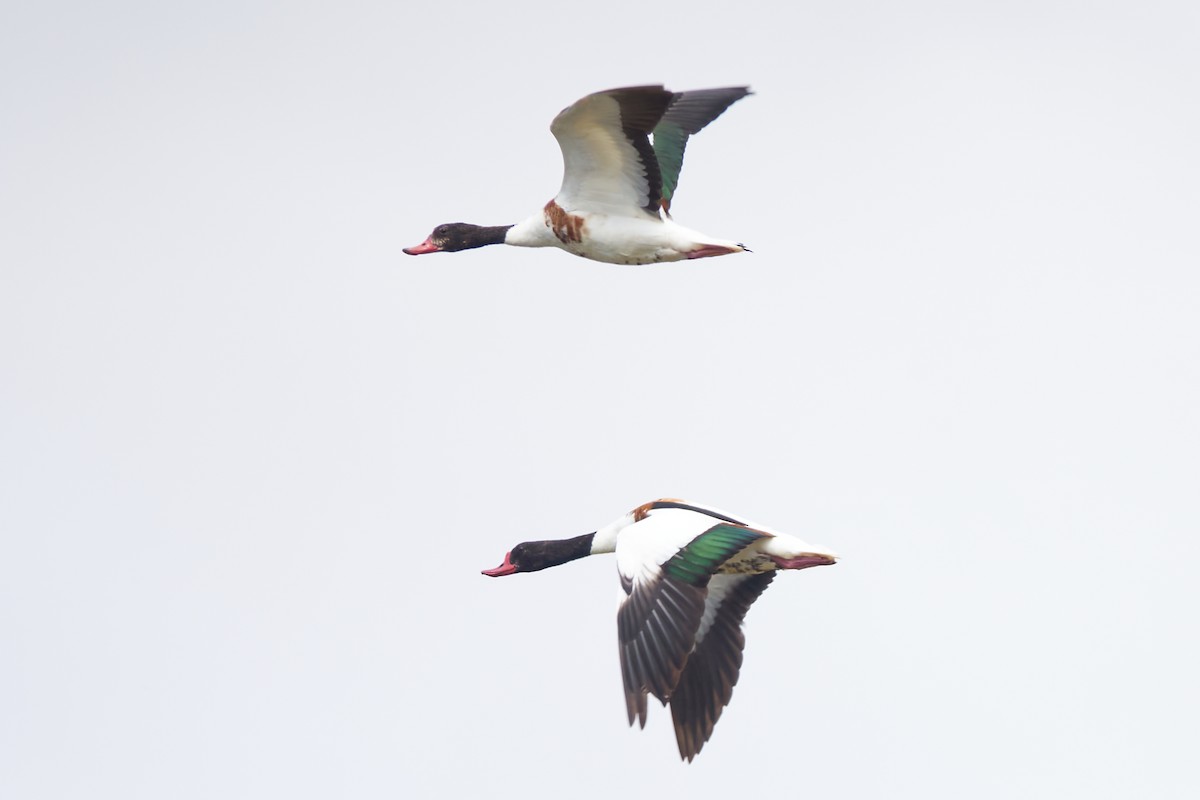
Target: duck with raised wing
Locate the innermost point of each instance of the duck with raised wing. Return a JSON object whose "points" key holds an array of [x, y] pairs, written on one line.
{"points": [[615, 199], [689, 575]]}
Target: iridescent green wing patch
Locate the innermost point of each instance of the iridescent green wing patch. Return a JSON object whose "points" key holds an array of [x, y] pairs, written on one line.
{"points": [[688, 114], [705, 554], [669, 143]]}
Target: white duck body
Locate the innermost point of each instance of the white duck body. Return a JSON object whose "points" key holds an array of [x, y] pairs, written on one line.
{"points": [[616, 239], [664, 527]]}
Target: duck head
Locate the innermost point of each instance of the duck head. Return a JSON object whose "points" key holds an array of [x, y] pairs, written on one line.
{"points": [[534, 556], [454, 236]]}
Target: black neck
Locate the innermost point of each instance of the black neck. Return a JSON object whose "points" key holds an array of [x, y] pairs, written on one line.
{"points": [[540, 555], [482, 236]]}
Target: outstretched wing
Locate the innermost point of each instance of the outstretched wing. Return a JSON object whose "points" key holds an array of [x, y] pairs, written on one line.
{"points": [[656, 630], [666, 563], [608, 163], [688, 113], [706, 683]]}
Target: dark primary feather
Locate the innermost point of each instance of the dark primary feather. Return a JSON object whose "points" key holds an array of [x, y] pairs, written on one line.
{"points": [[642, 106], [656, 626], [641, 109], [706, 684]]}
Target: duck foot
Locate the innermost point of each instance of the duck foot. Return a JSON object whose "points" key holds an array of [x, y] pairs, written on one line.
{"points": [[712, 250], [802, 562]]}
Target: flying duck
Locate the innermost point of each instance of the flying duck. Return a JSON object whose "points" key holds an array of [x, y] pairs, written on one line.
{"points": [[614, 204], [689, 575]]}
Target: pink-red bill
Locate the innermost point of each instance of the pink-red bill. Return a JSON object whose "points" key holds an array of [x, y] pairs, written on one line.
{"points": [[426, 246], [507, 568]]}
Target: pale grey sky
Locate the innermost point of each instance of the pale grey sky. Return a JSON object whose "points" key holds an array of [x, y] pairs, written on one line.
{"points": [[252, 458]]}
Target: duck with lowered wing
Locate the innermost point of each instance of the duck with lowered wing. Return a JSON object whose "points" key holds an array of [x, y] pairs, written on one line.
{"points": [[689, 575]]}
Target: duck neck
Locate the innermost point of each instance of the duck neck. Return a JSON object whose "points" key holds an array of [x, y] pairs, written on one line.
{"points": [[539, 555], [605, 539], [560, 551], [485, 235]]}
